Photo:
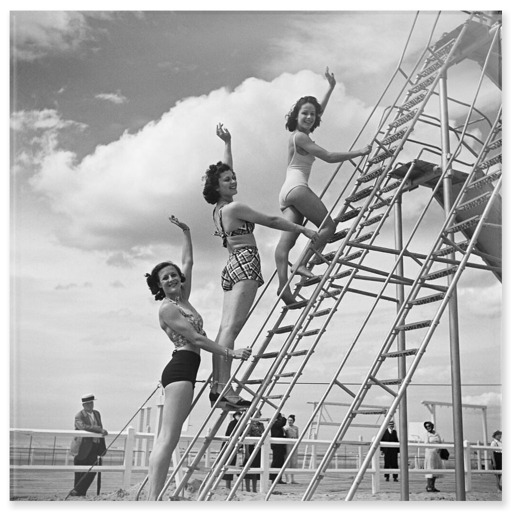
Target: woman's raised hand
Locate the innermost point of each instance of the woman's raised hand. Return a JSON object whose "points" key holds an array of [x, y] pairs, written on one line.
{"points": [[223, 133], [178, 223], [242, 353], [330, 78]]}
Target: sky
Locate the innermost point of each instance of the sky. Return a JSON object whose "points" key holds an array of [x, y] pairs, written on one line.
{"points": [[112, 117]]}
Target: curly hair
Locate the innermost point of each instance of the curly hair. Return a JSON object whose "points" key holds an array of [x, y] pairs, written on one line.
{"points": [[211, 181], [153, 280], [291, 117]]}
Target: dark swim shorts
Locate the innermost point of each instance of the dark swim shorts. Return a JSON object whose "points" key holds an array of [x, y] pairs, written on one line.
{"points": [[182, 367]]}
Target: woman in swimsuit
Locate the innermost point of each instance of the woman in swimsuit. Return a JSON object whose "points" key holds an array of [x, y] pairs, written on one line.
{"points": [[296, 199], [184, 327], [241, 276]]}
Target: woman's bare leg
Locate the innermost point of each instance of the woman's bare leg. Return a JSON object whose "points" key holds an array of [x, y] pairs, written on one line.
{"points": [[236, 307], [178, 399]]}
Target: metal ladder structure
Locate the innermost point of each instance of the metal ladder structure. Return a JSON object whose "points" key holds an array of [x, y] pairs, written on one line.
{"points": [[379, 182]]}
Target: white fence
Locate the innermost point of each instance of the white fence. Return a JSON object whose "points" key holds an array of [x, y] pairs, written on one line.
{"points": [[137, 448]]}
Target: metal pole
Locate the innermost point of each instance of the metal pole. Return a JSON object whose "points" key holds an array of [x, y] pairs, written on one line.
{"points": [[453, 304], [402, 369]]}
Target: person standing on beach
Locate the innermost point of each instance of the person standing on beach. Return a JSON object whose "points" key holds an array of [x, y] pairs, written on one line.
{"points": [[432, 457], [87, 450], [497, 456], [390, 453]]}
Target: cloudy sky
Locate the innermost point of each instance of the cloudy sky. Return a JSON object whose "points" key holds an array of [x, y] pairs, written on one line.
{"points": [[113, 117]]}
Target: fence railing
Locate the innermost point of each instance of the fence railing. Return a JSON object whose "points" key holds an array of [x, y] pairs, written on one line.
{"points": [[134, 457]]}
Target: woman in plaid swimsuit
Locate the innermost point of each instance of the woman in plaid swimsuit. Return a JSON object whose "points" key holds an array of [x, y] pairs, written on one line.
{"points": [[241, 276]]}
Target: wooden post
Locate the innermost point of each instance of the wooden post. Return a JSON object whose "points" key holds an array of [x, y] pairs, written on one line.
{"points": [[128, 457], [265, 461], [467, 465], [376, 473]]}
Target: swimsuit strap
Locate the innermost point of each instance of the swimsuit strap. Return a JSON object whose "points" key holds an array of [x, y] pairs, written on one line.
{"points": [[222, 233]]}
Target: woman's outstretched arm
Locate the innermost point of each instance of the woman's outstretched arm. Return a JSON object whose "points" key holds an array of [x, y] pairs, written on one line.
{"points": [[187, 255], [332, 85], [223, 134]]}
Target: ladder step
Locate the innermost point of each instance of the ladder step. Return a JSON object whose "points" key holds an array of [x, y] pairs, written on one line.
{"points": [[339, 235], [297, 305], [422, 85], [311, 281], [382, 156], [403, 119], [461, 226], [440, 273], [372, 220], [341, 275], [312, 332], [386, 382], [477, 201], [365, 192], [430, 69], [489, 178], [331, 294], [351, 214], [322, 312], [354, 255], [277, 376], [392, 138], [363, 238], [494, 145], [370, 411], [381, 204], [400, 353], [390, 187], [417, 99], [369, 176], [427, 299], [488, 163], [450, 249], [414, 325], [281, 330], [268, 355]]}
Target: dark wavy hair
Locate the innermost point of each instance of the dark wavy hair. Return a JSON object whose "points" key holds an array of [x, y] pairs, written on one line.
{"points": [[292, 416], [153, 280], [211, 181], [291, 117]]}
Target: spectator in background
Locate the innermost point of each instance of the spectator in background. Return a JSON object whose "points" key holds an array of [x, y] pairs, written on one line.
{"points": [[432, 457], [496, 455], [278, 449], [291, 431], [228, 477], [256, 429], [87, 451], [390, 454]]}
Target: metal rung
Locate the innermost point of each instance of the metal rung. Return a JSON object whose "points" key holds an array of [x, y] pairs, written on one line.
{"points": [[422, 85], [369, 411], [297, 353], [369, 176], [489, 178], [414, 325], [268, 355], [381, 204], [311, 281], [341, 275], [393, 138], [450, 249], [312, 332], [363, 238], [431, 69], [382, 156], [427, 299], [365, 192], [414, 101], [330, 294], [254, 381], [329, 256], [403, 119], [477, 201], [463, 225], [400, 353], [390, 187], [372, 220], [354, 255], [388, 382], [339, 235], [285, 375], [440, 273], [494, 145], [281, 330], [322, 312], [298, 304], [348, 215], [488, 163], [274, 397]]}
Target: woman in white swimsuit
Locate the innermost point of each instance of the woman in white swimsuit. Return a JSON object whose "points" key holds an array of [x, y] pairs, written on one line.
{"points": [[296, 199]]}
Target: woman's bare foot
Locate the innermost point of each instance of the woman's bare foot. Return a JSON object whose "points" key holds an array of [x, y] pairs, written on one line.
{"points": [[287, 296], [304, 272]]}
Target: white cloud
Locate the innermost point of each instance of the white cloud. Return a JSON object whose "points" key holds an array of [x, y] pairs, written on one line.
{"points": [[489, 399], [36, 34], [116, 98]]}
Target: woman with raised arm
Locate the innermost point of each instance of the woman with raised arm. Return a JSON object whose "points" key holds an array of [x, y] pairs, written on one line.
{"points": [[241, 277], [184, 327], [296, 199]]}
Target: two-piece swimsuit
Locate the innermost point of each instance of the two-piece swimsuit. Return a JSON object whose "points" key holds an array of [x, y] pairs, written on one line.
{"points": [[297, 175], [184, 364], [244, 262]]}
